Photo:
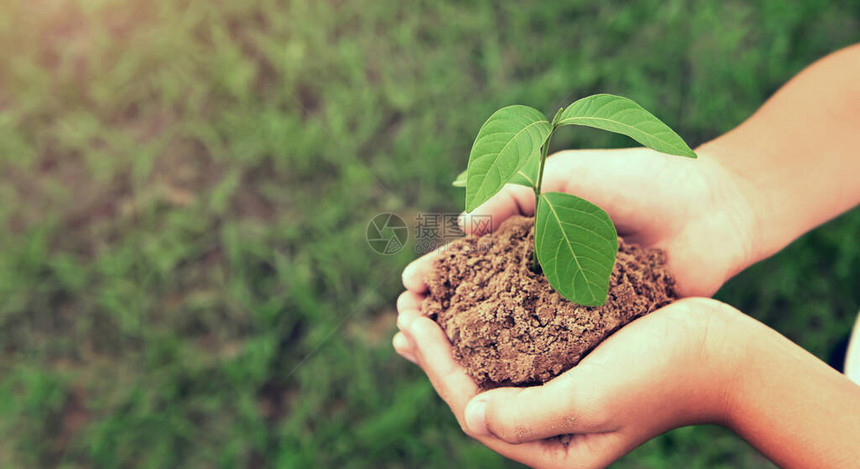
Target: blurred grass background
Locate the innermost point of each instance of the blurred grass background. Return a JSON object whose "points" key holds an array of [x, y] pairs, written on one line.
{"points": [[185, 187]]}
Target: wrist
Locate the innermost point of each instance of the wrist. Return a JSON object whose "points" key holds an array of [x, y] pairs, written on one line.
{"points": [[729, 336], [742, 200], [763, 367], [775, 212], [740, 362], [736, 210], [715, 352]]}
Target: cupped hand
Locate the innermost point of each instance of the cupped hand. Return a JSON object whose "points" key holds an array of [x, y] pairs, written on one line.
{"points": [[671, 368], [619, 395], [696, 210]]}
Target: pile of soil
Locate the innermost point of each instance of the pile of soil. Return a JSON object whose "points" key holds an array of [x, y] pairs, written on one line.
{"points": [[509, 327]]}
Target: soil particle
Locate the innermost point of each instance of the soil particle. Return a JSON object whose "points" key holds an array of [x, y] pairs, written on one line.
{"points": [[508, 326]]}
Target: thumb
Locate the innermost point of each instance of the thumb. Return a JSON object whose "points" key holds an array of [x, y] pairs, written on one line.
{"points": [[511, 200], [517, 415], [514, 199]]}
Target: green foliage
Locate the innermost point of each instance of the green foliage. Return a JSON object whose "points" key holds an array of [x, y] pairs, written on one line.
{"points": [[460, 180], [623, 116], [505, 143], [528, 174], [576, 244], [575, 237]]}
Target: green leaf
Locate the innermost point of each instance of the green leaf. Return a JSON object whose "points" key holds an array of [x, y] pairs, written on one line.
{"points": [[503, 146], [557, 116], [528, 174], [623, 116], [576, 245], [460, 181]]}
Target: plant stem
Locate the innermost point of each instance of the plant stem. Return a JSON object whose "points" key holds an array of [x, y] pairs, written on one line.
{"points": [[543, 153]]}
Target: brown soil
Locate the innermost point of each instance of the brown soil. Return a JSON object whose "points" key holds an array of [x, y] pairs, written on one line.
{"points": [[509, 327]]}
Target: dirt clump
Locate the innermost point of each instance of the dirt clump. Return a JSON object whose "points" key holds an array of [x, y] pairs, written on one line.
{"points": [[509, 327]]}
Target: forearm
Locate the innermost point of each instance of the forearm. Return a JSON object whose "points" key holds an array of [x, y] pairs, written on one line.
{"points": [[798, 157], [792, 407]]}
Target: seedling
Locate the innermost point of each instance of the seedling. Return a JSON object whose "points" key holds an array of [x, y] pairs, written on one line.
{"points": [[575, 240]]}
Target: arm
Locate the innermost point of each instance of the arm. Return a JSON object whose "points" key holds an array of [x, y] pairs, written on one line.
{"points": [[790, 167], [792, 407], [798, 157]]}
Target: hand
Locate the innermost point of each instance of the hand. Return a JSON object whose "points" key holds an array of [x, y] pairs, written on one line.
{"points": [[671, 368], [678, 204]]}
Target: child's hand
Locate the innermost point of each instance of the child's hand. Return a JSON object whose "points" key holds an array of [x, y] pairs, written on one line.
{"points": [[674, 203], [751, 192], [671, 368]]}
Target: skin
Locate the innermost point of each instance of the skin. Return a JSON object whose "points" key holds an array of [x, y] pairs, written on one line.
{"points": [[751, 192]]}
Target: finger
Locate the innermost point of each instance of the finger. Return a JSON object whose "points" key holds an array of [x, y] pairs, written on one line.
{"points": [[409, 300], [583, 450], [433, 352], [407, 344], [415, 273], [403, 347], [511, 200], [456, 388], [518, 415], [597, 449], [587, 443], [405, 318]]}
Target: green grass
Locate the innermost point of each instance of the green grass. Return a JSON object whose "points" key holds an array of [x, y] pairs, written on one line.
{"points": [[185, 185]]}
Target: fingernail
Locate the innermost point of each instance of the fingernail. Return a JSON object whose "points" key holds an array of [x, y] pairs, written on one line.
{"points": [[476, 417]]}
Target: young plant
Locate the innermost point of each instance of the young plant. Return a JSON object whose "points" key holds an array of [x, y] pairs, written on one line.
{"points": [[575, 240]]}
